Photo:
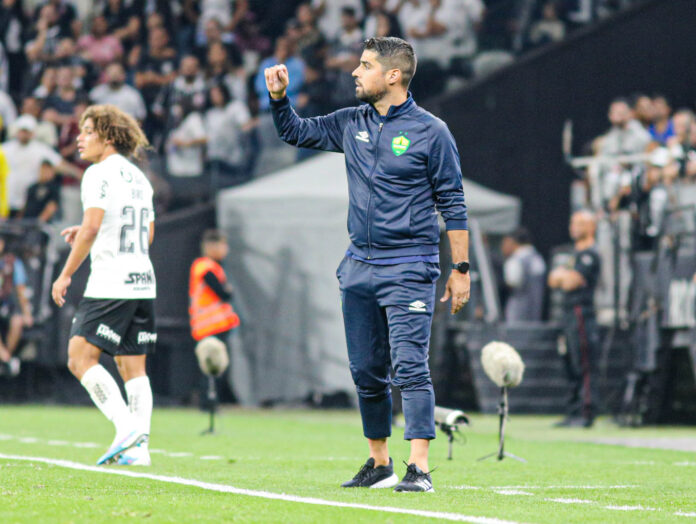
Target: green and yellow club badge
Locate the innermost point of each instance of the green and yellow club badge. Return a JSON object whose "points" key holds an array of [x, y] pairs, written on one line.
{"points": [[400, 144]]}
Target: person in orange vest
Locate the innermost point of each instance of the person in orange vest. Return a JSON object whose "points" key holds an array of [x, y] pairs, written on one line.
{"points": [[209, 293], [210, 312]]}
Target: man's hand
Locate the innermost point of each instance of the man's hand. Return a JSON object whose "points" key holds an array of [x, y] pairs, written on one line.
{"points": [[69, 234], [60, 287], [277, 80], [27, 319], [457, 288]]}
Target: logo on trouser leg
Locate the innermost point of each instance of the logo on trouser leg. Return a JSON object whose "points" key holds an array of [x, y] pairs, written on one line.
{"points": [[417, 306]]}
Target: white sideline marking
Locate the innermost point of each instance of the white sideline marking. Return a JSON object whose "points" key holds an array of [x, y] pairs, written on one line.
{"points": [[179, 454], [57, 443], [513, 492], [212, 457], [85, 444], [630, 508], [685, 514], [495, 488], [571, 501], [223, 488], [28, 440]]}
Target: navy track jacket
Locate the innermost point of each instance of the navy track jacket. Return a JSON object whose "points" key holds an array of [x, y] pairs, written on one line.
{"points": [[401, 168]]}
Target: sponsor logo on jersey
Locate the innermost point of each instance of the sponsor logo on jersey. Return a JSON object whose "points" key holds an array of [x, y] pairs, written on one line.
{"points": [[137, 194], [147, 338], [109, 334], [104, 187], [140, 278], [417, 306], [126, 175]]}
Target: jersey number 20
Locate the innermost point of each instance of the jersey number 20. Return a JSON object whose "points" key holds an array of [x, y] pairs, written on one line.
{"points": [[130, 216]]}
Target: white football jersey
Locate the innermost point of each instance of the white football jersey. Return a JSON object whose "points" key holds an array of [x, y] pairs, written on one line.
{"points": [[121, 266]]}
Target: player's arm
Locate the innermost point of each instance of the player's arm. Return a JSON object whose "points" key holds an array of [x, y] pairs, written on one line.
{"points": [[319, 132], [84, 239], [566, 279], [151, 236]]}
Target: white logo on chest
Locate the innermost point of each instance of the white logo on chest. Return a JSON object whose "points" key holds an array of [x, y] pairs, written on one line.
{"points": [[363, 136]]}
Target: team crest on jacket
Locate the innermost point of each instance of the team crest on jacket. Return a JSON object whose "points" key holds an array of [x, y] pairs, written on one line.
{"points": [[400, 144]]}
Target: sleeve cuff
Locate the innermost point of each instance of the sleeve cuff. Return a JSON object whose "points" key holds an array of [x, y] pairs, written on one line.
{"points": [[454, 224], [280, 101]]}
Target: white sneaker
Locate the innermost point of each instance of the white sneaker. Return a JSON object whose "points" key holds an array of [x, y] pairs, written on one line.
{"points": [[135, 456]]}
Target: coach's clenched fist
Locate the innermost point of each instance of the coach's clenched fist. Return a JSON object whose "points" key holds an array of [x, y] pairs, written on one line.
{"points": [[277, 80]]}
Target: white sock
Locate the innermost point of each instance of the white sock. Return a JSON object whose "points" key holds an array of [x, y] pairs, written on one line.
{"points": [[106, 395], [140, 402]]}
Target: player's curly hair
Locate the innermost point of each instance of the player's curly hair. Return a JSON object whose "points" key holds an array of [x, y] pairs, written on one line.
{"points": [[117, 128]]}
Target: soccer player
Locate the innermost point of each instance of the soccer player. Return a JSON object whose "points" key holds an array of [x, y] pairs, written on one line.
{"points": [[402, 164], [116, 314]]}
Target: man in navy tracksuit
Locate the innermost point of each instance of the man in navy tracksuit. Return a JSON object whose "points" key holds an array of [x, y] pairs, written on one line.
{"points": [[402, 165]]}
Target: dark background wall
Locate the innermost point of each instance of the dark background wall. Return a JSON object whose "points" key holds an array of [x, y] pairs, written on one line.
{"points": [[508, 126]]}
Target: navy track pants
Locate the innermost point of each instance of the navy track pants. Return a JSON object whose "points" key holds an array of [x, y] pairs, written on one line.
{"points": [[387, 313]]}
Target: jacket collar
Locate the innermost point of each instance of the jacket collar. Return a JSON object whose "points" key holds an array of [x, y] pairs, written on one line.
{"points": [[399, 110]]}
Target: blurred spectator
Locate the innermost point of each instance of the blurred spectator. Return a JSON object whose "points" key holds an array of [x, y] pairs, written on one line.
{"points": [[379, 21], [343, 58], [15, 312], [4, 174], [115, 91], [329, 15], [251, 42], [184, 152], [43, 197], [156, 66], [284, 54], [643, 109], [215, 33], [549, 29], [311, 43], [58, 107], [626, 135], [8, 112], [13, 28], [188, 86], [66, 55], [67, 140], [24, 155], [45, 131], [100, 47], [226, 122], [228, 12], [44, 41], [662, 128], [66, 17], [220, 70], [524, 273], [122, 22], [47, 84]]}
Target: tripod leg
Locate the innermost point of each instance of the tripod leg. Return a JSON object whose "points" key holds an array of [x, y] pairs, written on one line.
{"points": [[212, 403]]}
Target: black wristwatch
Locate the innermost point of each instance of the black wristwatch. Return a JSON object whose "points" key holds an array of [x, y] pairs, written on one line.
{"points": [[462, 267]]}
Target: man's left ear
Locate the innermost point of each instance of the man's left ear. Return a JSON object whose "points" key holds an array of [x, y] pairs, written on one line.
{"points": [[394, 76]]}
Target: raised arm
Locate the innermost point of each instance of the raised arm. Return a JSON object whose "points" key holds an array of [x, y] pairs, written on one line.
{"points": [[320, 132]]}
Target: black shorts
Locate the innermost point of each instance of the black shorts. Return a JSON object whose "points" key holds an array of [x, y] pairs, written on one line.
{"points": [[120, 327]]}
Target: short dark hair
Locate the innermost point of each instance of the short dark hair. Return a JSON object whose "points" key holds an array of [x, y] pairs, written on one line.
{"points": [[394, 53], [212, 235], [522, 236]]}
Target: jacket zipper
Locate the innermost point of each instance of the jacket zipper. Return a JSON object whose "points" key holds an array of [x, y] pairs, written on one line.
{"points": [[369, 198]]}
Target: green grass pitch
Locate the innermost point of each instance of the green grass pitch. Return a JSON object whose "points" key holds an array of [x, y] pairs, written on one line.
{"points": [[568, 478]]}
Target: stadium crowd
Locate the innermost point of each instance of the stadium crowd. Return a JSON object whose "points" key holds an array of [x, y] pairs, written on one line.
{"points": [[191, 71]]}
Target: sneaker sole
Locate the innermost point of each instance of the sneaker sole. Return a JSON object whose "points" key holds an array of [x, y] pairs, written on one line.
{"points": [[112, 456], [431, 490], [388, 482]]}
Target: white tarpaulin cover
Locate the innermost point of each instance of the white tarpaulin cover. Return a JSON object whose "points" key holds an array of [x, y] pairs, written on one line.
{"points": [[287, 235]]}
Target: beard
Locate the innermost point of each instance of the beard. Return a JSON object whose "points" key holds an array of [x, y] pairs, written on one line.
{"points": [[370, 98]]}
